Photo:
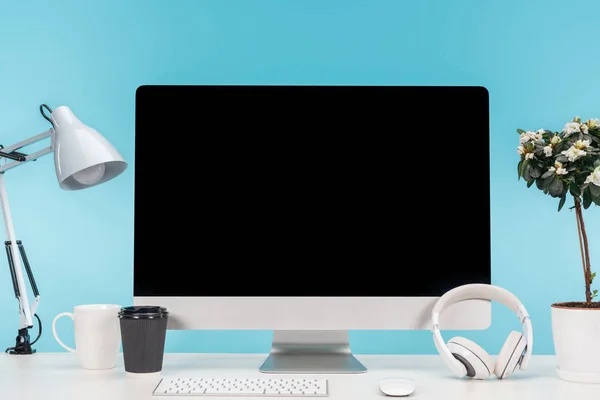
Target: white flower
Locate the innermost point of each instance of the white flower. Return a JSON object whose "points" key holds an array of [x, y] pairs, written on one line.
{"points": [[555, 139], [584, 128], [524, 138], [548, 150], [538, 134], [529, 156], [594, 177], [561, 171], [593, 123], [558, 167], [571, 127], [582, 144], [521, 150], [527, 136], [573, 153]]}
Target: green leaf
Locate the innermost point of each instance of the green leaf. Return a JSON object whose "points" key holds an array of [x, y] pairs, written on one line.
{"points": [[562, 159], [529, 146], [561, 203], [519, 131], [575, 190], [526, 168], [546, 134], [556, 188], [539, 182], [563, 145], [535, 171], [547, 183], [592, 276], [594, 190], [547, 174], [597, 163], [587, 198], [520, 169], [530, 183]]}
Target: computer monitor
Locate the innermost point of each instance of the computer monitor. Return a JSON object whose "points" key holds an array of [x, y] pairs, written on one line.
{"points": [[311, 211]]}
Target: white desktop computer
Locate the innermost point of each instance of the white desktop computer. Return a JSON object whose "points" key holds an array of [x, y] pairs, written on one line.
{"points": [[311, 211]]}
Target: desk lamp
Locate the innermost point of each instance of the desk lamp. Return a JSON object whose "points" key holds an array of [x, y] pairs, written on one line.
{"points": [[83, 158]]}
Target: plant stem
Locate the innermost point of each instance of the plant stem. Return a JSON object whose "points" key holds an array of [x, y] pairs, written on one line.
{"points": [[580, 243], [587, 259], [585, 252]]}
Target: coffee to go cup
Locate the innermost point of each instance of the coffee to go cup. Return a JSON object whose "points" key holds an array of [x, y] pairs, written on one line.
{"points": [[143, 334]]}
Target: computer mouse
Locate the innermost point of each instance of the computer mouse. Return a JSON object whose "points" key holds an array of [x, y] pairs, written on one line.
{"points": [[396, 387]]}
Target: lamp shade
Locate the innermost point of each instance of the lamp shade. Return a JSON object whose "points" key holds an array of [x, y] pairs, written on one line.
{"points": [[83, 157]]}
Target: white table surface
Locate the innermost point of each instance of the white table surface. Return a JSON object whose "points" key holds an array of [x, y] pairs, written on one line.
{"points": [[57, 376]]}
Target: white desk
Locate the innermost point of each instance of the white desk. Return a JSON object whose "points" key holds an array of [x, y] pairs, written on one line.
{"points": [[57, 376]]}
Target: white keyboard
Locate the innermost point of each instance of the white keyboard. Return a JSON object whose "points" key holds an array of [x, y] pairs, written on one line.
{"points": [[229, 386]]}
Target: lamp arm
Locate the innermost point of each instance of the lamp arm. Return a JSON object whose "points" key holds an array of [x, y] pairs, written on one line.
{"points": [[11, 157], [16, 269], [34, 289], [18, 158], [27, 142]]}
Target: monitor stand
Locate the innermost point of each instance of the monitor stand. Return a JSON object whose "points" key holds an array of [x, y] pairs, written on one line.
{"points": [[319, 352]]}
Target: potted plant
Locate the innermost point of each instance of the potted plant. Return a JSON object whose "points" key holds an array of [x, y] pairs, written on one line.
{"points": [[566, 165]]}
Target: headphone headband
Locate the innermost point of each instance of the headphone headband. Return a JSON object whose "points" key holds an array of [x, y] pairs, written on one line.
{"points": [[484, 292], [479, 291]]}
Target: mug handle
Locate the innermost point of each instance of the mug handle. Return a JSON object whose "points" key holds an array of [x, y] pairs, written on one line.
{"points": [[65, 314]]}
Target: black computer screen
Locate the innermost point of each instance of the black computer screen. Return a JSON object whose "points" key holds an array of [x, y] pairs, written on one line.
{"points": [[310, 190]]}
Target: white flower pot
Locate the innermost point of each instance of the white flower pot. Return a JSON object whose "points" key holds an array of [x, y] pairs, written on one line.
{"points": [[576, 334]]}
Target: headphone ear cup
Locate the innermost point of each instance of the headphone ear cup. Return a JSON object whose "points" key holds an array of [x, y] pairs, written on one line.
{"points": [[477, 361], [510, 354]]}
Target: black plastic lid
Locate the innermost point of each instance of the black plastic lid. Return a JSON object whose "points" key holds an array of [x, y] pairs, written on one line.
{"points": [[143, 312]]}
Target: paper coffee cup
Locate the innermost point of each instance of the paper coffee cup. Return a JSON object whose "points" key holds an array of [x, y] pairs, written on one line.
{"points": [[143, 334]]}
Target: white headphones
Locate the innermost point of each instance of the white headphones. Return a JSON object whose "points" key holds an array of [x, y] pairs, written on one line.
{"points": [[465, 357]]}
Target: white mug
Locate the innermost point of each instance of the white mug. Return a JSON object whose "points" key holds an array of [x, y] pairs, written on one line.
{"points": [[97, 334]]}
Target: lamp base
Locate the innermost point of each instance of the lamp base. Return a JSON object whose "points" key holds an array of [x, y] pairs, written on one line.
{"points": [[23, 344]]}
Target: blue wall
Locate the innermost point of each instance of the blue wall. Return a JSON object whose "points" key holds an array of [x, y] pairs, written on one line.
{"points": [[539, 60]]}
